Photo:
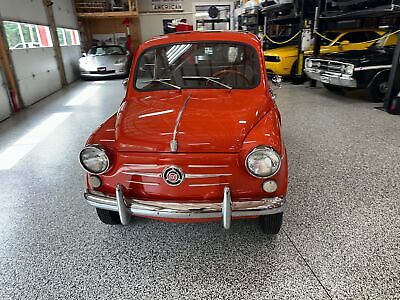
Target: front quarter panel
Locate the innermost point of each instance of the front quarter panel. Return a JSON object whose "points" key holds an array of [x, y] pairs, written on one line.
{"points": [[267, 133], [104, 134]]}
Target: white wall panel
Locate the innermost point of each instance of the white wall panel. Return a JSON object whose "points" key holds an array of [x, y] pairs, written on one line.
{"points": [[71, 55], [64, 14], [37, 73], [30, 11], [5, 109], [151, 23]]}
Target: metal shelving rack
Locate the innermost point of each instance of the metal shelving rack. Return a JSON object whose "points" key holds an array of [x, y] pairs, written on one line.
{"points": [[250, 19], [328, 15], [296, 15], [388, 9]]}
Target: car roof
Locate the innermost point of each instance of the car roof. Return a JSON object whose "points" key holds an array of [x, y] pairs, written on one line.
{"points": [[355, 30], [213, 35]]}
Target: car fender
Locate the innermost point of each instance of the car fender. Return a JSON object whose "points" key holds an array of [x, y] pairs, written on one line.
{"points": [[377, 75]]}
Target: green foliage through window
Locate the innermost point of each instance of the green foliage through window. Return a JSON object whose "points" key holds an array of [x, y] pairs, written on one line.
{"points": [[23, 35], [68, 37]]}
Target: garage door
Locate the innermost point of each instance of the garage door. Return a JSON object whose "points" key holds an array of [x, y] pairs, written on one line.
{"points": [[5, 110]]}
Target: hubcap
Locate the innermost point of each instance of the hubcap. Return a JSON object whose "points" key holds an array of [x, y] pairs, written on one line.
{"points": [[383, 87]]}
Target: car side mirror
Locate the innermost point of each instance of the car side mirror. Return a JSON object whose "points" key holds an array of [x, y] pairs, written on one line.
{"points": [[125, 83], [84, 54], [344, 43], [277, 81]]}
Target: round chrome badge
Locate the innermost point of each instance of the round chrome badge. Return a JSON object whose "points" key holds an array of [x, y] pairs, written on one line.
{"points": [[173, 176]]}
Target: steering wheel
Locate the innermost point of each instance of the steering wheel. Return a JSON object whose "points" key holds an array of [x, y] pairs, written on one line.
{"points": [[223, 73]]}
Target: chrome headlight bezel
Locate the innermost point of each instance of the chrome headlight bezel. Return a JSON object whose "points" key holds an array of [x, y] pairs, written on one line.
{"points": [[309, 63], [349, 70], [101, 152], [270, 151]]}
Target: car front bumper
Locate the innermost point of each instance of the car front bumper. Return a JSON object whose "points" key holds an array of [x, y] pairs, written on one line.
{"points": [[108, 71], [95, 74], [330, 78], [278, 68], [227, 209]]}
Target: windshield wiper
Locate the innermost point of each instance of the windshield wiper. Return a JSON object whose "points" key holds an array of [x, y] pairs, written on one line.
{"points": [[163, 81], [212, 79]]}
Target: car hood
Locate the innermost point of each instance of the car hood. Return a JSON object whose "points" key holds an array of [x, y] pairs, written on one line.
{"points": [[101, 60], [210, 122], [282, 51], [357, 57]]}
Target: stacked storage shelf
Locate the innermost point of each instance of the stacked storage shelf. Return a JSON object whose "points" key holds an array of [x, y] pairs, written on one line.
{"points": [[90, 6]]}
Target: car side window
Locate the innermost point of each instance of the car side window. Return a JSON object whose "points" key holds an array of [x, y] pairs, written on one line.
{"points": [[359, 37], [354, 37], [372, 35]]}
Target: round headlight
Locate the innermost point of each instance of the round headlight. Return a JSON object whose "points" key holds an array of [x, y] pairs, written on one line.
{"points": [[349, 70], [94, 159], [309, 63], [263, 162]]}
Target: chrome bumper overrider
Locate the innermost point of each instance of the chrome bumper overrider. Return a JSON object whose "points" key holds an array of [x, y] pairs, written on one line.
{"points": [[172, 210]]}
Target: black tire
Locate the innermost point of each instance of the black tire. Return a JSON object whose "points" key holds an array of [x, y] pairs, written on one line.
{"points": [[271, 224], [333, 88], [377, 88], [108, 217], [295, 79]]}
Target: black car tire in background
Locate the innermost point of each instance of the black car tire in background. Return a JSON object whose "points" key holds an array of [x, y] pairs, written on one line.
{"points": [[271, 224], [377, 88], [108, 217]]}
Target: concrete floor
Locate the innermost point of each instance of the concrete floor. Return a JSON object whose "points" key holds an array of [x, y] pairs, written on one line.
{"points": [[341, 232]]}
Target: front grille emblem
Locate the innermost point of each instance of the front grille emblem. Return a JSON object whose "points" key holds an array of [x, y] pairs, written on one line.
{"points": [[173, 176]]}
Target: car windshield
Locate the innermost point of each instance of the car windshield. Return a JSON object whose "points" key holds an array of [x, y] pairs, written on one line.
{"points": [[200, 65], [106, 50], [331, 35], [390, 40]]}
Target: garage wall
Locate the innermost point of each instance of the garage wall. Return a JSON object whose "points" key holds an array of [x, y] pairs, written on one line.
{"points": [[151, 23], [29, 11], [64, 15], [5, 109], [71, 55], [36, 69]]}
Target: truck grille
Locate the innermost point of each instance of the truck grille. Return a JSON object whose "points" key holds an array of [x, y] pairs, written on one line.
{"points": [[329, 66]]}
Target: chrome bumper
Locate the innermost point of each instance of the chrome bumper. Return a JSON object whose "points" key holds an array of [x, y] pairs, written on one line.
{"points": [[169, 210], [329, 78], [103, 75]]}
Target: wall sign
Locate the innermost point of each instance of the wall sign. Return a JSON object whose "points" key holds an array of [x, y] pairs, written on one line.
{"points": [[166, 5]]}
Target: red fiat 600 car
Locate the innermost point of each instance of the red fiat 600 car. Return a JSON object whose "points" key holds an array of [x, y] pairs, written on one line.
{"points": [[197, 137]]}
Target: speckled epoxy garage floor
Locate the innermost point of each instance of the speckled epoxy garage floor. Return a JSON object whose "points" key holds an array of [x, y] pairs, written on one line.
{"points": [[340, 238]]}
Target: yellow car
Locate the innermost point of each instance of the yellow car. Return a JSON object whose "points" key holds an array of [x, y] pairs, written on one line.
{"points": [[283, 61]]}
